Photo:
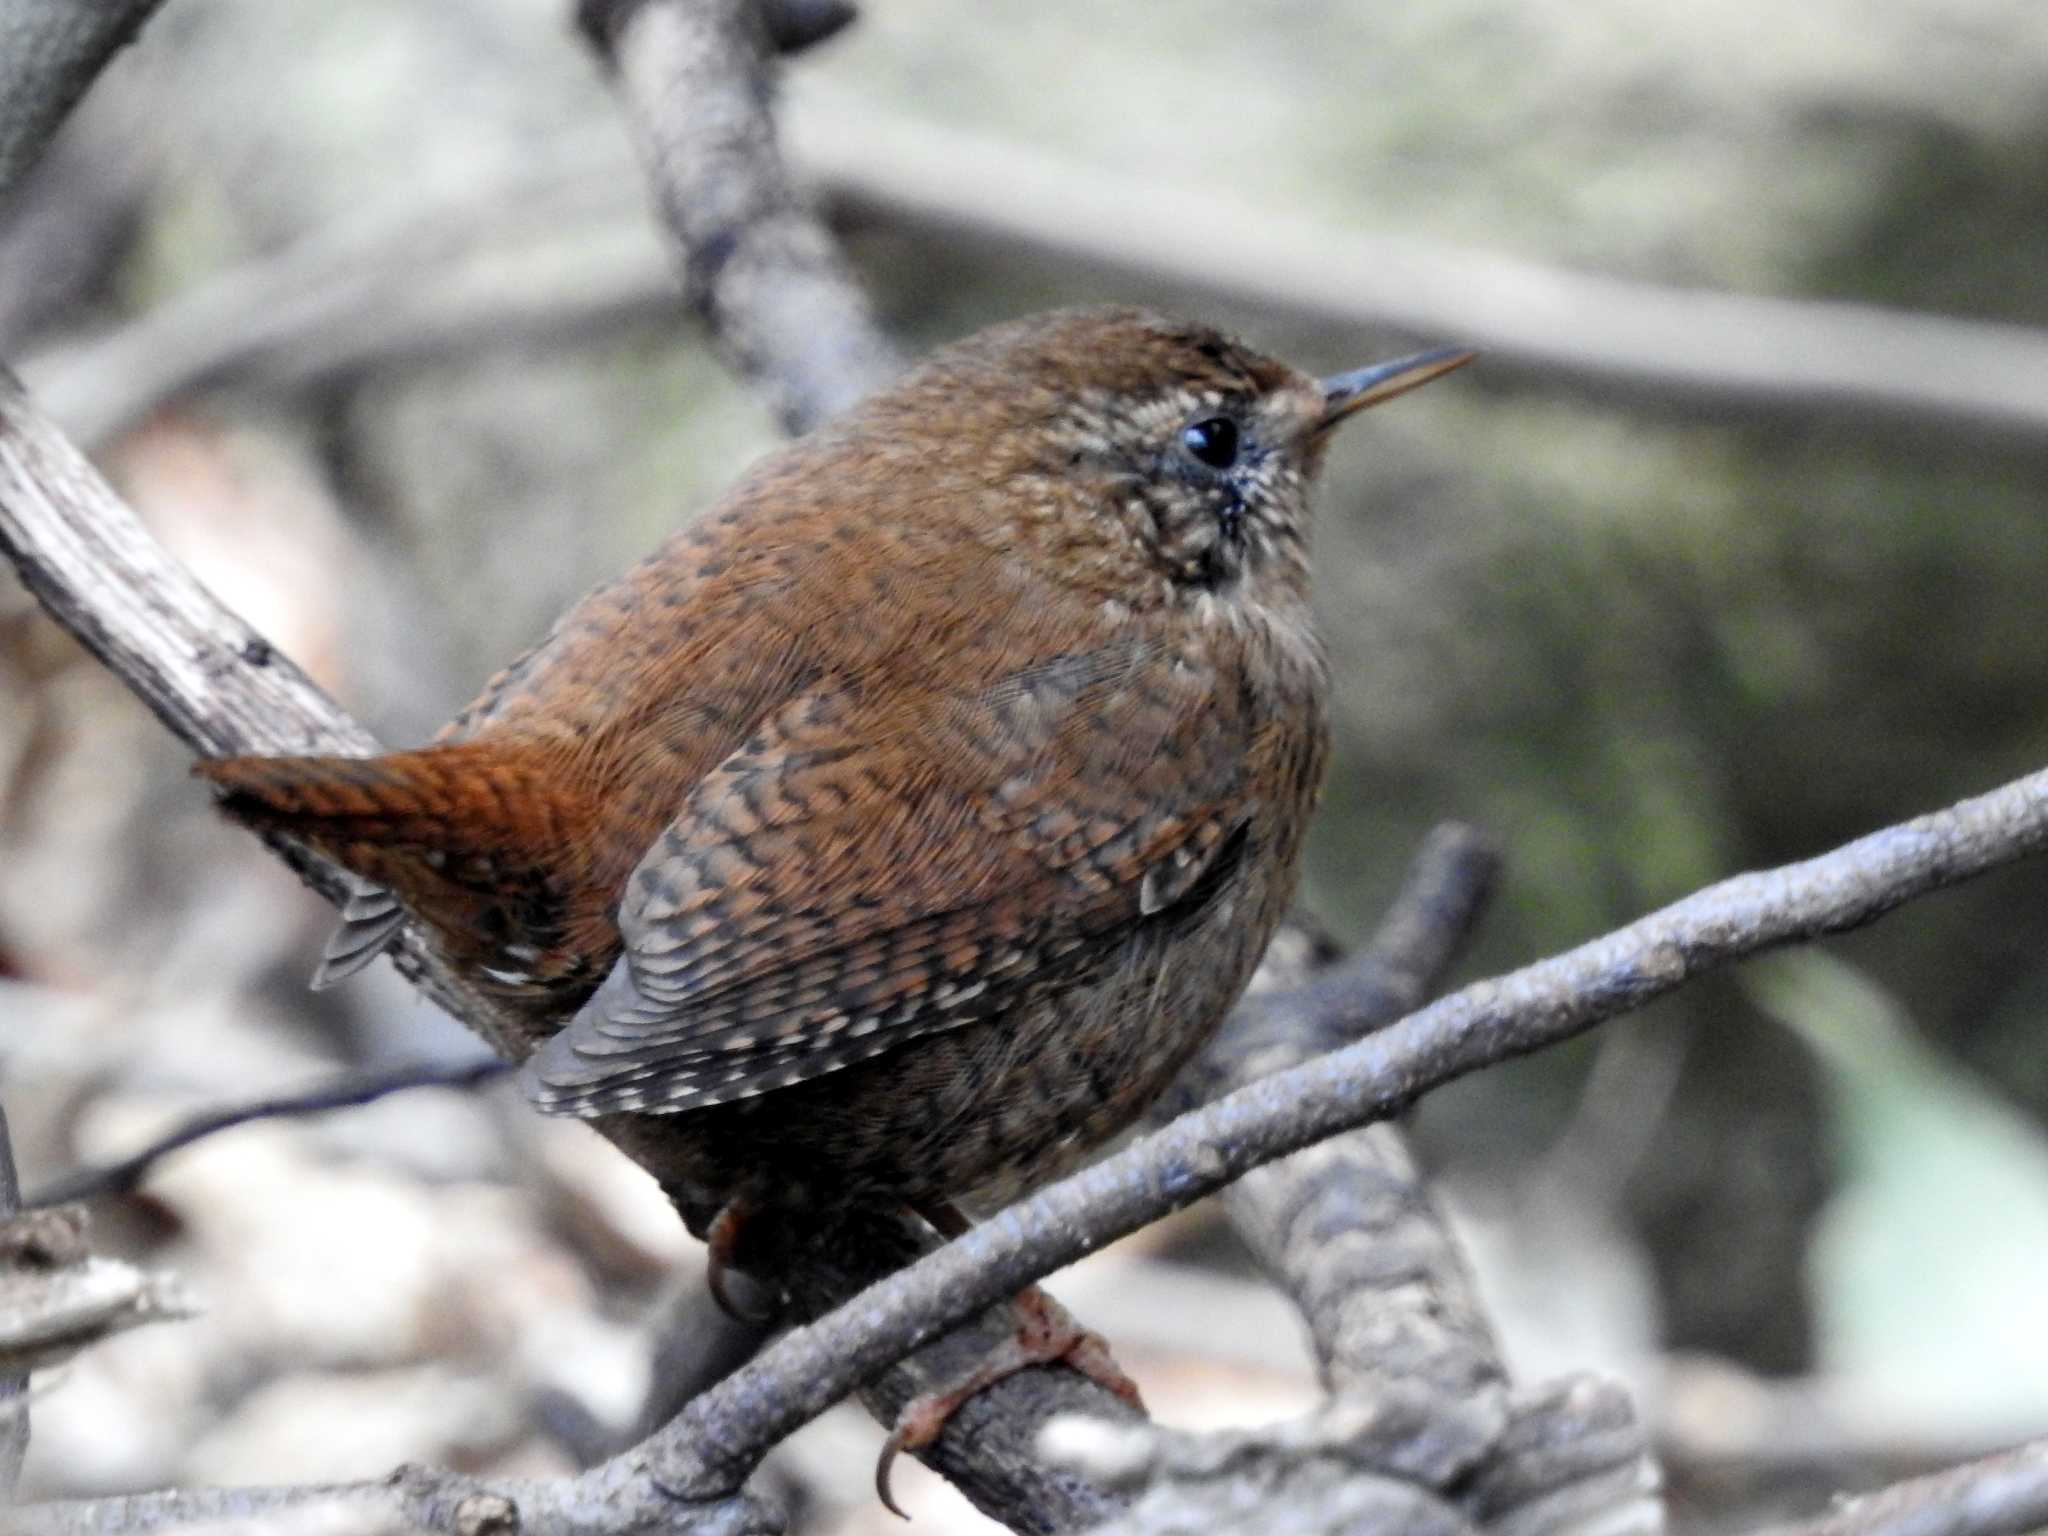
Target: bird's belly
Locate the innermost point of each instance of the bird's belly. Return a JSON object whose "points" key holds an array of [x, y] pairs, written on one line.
{"points": [[979, 1114]]}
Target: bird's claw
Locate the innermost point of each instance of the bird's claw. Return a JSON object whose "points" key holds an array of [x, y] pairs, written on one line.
{"points": [[1046, 1334], [723, 1238]]}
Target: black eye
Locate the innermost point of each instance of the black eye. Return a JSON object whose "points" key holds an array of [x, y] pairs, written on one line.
{"points": [[1213, 441]]}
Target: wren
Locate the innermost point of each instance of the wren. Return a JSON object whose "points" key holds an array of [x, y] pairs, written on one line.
{"points": [[899, 828]]}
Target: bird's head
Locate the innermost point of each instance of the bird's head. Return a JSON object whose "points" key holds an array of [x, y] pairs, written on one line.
{"points": [[1124, 438]]}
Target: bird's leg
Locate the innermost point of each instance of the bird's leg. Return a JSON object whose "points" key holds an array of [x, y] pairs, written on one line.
{"points": [[723, 1239], [944, 1218], [1046, 1334]]}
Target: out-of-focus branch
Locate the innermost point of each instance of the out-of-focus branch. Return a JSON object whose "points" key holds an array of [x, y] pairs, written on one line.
{"points": [[2003, 1495], [403, 286], [1745, 352], [50, 51], [559, 251], [1347, 1228], [1719, 1425], [346, 1091], [758, 265]]}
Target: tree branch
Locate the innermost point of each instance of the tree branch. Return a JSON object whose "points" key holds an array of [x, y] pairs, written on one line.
{"points": [[1566, 1457], [436, 281], [758, 266], [1745, 352], [203, 671], [56, 1297], [344, 1091], [1347, 1228]]}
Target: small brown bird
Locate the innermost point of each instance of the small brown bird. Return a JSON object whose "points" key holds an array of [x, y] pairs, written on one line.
{"points": [[898, 829]]}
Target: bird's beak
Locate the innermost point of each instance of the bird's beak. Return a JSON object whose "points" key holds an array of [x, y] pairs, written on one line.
{"points": [[1346, 393]]}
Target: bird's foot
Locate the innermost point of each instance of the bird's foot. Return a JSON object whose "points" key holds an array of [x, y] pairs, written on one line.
{"points": [[1046, 1334]]}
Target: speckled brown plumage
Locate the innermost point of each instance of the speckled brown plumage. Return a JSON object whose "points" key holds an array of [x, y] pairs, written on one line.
{"points": [[900, 827]]}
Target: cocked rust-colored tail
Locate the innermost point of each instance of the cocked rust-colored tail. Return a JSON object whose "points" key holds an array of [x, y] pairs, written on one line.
{"points": [[475, 816]]}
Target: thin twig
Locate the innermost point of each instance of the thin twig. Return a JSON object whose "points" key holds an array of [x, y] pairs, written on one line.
{"points": [[57, 1297], [347, 1091], [2002, 1495]]}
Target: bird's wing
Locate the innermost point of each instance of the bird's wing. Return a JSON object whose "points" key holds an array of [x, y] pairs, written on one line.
{"points": [[859, 873]]}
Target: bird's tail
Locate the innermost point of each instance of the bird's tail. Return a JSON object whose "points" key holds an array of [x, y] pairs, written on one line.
{"points": [[474, 817]]}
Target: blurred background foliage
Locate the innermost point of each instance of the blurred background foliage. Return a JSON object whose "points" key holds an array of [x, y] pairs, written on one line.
{"points": [[1643, 644]]}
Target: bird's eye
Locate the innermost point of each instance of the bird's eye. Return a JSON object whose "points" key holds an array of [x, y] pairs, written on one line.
{"points": [[1212, 440]]}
